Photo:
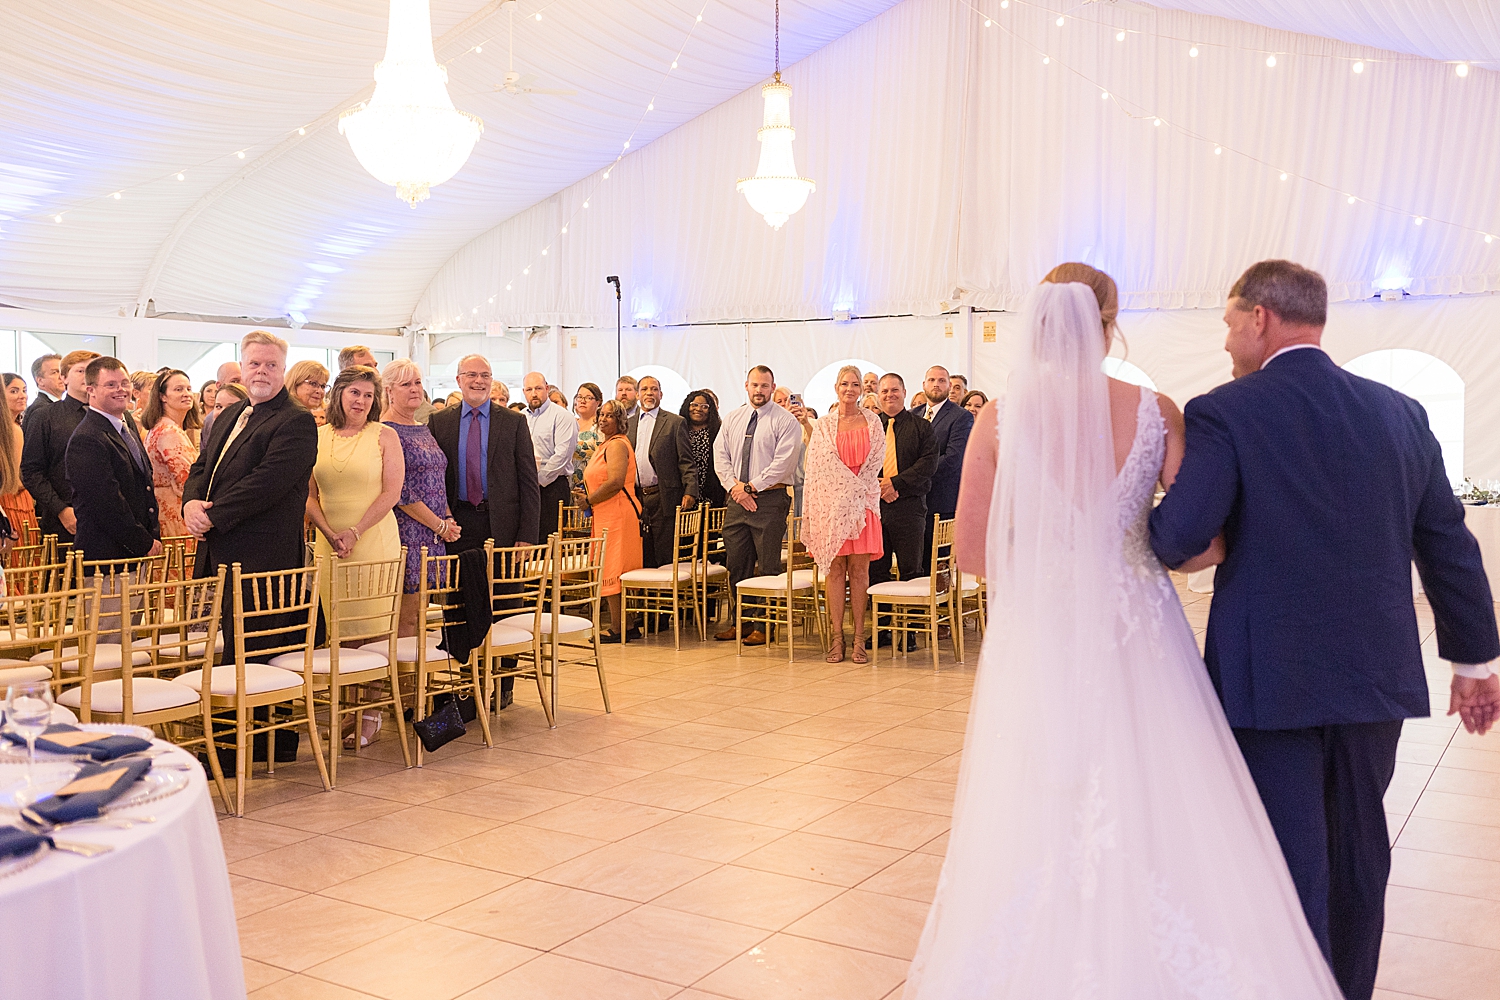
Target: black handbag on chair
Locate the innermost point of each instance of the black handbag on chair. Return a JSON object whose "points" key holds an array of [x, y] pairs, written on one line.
{"points": [[441, 727]]}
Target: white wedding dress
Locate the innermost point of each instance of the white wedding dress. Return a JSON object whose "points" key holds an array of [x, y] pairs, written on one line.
{"points": [[1107, 841]]}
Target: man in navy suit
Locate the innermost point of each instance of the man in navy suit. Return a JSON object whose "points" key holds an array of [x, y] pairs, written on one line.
{"points": [[110, 474], [1326, 487], [951, 425]]}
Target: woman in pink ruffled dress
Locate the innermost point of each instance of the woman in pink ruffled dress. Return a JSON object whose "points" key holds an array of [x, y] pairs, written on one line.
{"points": [[841, 506]]}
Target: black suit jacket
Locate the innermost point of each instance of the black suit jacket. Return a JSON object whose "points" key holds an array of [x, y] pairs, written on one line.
{"points": [[44, 461], [950, 429], [515, 498], [259, 493], [41, 402], [916, 457], [112, 495], [671, 456]]}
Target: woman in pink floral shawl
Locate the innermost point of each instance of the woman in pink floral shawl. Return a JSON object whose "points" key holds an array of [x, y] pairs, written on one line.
{"points": [[841, 505]]}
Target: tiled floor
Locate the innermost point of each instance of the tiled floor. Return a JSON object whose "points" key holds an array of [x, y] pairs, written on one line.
{"points": [[736, 828]]}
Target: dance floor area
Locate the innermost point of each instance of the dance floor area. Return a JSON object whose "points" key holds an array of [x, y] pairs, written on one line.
{"points": [[737, 828]]}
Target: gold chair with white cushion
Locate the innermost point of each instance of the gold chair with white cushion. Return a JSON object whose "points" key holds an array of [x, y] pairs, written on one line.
{"points": [[923, 604], [518, 584], [572, 522], [62, 624], [363, 611], [779, 600], [575, 574], [714, 573], [274, 612], [673, 588]]}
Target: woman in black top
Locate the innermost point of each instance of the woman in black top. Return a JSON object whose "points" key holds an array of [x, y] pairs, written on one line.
{"points": [[701, 412]]}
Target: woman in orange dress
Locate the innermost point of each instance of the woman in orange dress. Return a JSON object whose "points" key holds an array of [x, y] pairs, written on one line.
{"points": [[17, 504], [172, 423], [609, 485], [841, 505]]}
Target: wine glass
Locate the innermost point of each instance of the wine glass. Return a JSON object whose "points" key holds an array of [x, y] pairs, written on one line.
{"points": [[28, 710]]}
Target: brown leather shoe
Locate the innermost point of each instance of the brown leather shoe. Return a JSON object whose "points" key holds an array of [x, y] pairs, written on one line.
{"points": [[756, 638], [727, 635]]}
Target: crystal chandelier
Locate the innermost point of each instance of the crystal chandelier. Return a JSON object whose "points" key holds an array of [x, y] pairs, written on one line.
{"points": [[776, 191], [409, 134]]}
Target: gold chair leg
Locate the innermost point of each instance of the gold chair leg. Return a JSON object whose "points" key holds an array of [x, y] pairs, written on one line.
{"points": [[317, 741], [395, 683], [335, 731], [419, 707], [483, 713], [241, 762], [214, 767]]}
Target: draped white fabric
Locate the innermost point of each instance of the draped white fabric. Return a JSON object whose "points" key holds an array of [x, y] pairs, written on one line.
{"points": [[947, 155]]}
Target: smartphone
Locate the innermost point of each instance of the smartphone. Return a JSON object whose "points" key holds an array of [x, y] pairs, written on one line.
{"points": [[796, 399]]}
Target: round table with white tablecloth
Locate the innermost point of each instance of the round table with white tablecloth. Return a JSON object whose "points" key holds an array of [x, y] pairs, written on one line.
{"points": [[151, 920]]}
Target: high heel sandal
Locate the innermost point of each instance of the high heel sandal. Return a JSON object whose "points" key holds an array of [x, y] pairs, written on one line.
{"points": [[369, 726], [836, 650], [858, 656]]}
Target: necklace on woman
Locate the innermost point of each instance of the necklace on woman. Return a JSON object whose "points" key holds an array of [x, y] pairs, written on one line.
{"points": [[341, 462]]}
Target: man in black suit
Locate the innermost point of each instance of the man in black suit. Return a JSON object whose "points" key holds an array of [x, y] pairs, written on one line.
{"points": [[46, 374], [492, 485], [246, 494], [44, 465], [910, 459], [664, 473], [109, 473], [951, 425]]}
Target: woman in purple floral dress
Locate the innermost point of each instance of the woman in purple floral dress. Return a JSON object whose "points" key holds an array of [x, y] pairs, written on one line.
{"points": [[422, 515]]}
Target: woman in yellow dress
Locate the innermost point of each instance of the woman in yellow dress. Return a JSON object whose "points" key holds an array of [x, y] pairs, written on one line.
{"points": [[609, 487]]}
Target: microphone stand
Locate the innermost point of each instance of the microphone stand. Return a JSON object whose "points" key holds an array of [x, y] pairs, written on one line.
{"points": [[614, 279]]}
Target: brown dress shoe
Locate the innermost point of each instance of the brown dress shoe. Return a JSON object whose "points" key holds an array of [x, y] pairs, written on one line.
{"points": [[727, 635], [756, 638]]}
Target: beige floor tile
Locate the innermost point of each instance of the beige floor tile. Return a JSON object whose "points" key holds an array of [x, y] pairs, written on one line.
{"points": [[306, 988], [316, 864], [352, 769], [299, 934], [887, 713], [883, 760], [934, 797], [258, 974], [1421, 753], [822, 859], [771, 807], [244, 837], [945, 770], [1451, 779], [1437, 969], [678, 792], [1445, 837], [830, 782], [913, 877], [674, 710], [504, 801], [749, 896], [737, 768], [551, 977], [867, 921], [535, 914], [927, 740], [937, 845], [627, 871], [874, 824], [425, 962], [801, 749], [1474, 809], [493, 764], [252, 895], [1472, 760], [561, 742], [1446, 873], [580, 777], [414, 786], [786, 967], [1444, 916], [517, 850], [325, 812], [602, 819], [953, 722], [644, 755], [840, 728], [701, 737], [666, 945], [708, 838], [420, 887], [416, 830]]}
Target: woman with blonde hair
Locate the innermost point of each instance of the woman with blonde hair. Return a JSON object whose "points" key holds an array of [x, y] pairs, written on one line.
{"points": [[307, 384], [15, 501], [841, 505], [171, 421]]}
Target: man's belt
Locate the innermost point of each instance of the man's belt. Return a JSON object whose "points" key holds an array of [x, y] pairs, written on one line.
{"points": [[482, 505], [646, 491]]}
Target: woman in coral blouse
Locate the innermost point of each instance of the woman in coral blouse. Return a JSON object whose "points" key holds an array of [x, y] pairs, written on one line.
{"points": [[172, 424]]}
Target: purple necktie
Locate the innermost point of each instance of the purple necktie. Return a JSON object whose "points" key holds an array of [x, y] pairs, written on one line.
{"points": [[474, 461]]}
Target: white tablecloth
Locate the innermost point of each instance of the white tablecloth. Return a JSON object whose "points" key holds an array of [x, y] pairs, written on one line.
{"points": [[152, 920]]}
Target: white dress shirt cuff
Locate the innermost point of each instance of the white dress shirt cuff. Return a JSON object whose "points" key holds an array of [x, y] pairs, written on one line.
{"points": [[1474, 671]]}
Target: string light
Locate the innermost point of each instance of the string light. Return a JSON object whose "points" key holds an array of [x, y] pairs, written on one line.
{"points": [[1283, 175], [1105, 95], [1046, 60], [1358, 67], [988, 22], [1120, 36], [565, 230], [58, 219], [302, 131], [1004, 4], [1193, 52], [1271, 61], [1418, 220], [1061, 21], [240, 154], [1352, 199], [116, 196], [1462, 69], [538, 15], [1487, 237], [674, 63], [1218, 150], [182, 177]]}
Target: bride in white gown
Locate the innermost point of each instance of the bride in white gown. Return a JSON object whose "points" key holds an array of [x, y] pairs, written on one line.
{"points": [[1108, 842]]}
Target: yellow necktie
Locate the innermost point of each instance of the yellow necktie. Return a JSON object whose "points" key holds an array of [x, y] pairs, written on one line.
{"points": [[239, 427], [889, 469]]}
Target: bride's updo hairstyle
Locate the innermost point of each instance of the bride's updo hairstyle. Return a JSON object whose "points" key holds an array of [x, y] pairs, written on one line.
{"points": [[1104, 290]]}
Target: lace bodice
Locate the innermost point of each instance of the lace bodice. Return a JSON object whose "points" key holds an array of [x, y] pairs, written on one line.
{"points": [[1134, 493]]}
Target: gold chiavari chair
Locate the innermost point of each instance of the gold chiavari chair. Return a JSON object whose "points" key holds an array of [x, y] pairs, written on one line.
{"points": [[435, 671], [573, 522], [518, 585], [568, 630], [778, 600], [672, 588], [30, 533], [38, 578], [274, 612], [181, 552], [714, 573], [112, 575], [155, 701], [924, 604], [973, 602], [60, 623], [363, 609]]}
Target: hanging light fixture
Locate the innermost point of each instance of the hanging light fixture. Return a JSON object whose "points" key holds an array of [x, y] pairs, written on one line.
{"points": [[776, 191], [409, 134]]}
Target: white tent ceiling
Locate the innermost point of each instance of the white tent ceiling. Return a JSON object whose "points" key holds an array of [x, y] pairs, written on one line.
{"points": [[105, 97]]}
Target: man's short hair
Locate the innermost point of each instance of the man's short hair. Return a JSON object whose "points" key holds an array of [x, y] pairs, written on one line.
{"points": [[626, 380], [761, 368], [348, 354], [895, 376], [939, 368], [102, 364], [644, 378], [1296, 294], [36, 366], [263, 337], [959, 378], [76, 358], [460, 366]]}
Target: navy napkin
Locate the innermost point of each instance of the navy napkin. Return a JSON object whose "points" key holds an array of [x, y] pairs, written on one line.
{"points": [[106, 749], [87, 805], [15, 842]]}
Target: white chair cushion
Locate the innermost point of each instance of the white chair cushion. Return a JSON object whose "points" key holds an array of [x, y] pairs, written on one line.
{"points": [[715, 571], [259, 679], [509, 635], [406, 649], [350, 660], [106, 657], [194, 648], [919, 586], [970, 584], [148, 694], [12, 672], [663, 575], [802, 579], [566, 624]]}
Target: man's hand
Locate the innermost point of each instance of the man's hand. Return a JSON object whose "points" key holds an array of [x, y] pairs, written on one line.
{"points": [[688, 503], [888, 492], [1476, 702], [69, 520], [155, 548], [195, 516], [742, 496]]}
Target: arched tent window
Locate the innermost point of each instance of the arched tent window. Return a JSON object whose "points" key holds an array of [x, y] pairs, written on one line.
{"points": [[1126, 372], [674, 387], [819, 392], [1430, 382]]}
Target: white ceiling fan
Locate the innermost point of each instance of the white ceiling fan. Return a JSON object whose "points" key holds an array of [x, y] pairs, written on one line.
{"points": [[516, 85]]}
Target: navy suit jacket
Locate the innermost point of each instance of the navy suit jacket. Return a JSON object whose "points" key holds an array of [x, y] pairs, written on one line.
{"points": [[1327, 486], [112, 495], [950, 430]]}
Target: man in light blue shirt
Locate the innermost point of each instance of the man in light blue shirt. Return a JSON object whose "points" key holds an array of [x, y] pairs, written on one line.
{"points": [[554, 436]]}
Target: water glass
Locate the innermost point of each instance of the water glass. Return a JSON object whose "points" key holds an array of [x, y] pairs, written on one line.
{"points": [[28, 711]]}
